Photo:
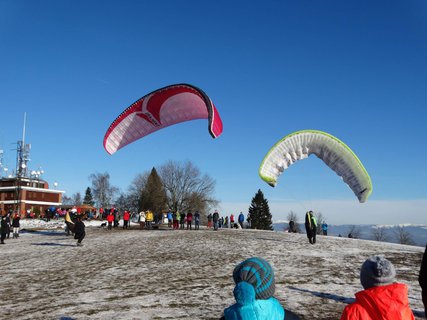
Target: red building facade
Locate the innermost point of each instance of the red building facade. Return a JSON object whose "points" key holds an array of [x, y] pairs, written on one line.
{"points": [[25, 194]]}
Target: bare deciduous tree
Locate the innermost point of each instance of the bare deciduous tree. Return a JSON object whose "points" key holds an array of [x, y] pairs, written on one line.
{"points": [[320, 219], [67, 200], [76, 199], [186, 188], [133, 196], [379, 234], [403, 236], [103, 191]]}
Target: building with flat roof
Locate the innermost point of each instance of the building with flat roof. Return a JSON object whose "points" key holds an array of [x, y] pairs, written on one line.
{"points": [[22, 194]]}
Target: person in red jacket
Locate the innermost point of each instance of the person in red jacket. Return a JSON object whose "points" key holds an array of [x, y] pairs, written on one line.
{"points": [[110, 220], [126, 218], [383, 298]]}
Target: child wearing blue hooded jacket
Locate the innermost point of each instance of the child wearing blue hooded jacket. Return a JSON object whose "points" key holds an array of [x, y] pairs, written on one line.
{"points": [[254, 279]]}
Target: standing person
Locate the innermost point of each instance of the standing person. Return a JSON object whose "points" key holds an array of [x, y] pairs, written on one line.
{"points": [[221, 222], [182, 220], [79, 231], [110, 220], [325, 228], [175, 218], [149, 218], [16, 225], [310, 226], [142, 220], [292, 226], [170, 219], [241, 219], [116, 217], [232, 221], [8, 224], [174, 221], [226, 222], [189, 219], [4, 229], [215, 218], [209, 221], [69, 224], [382, 297], [126, 218], [422, 279], [196, 220]]}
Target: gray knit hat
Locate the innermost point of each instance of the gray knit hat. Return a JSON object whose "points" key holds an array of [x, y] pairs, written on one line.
{"points": [[259, 274], [377, 271]]}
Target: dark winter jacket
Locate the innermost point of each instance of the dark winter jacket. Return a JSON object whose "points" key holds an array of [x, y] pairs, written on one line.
{"points": [[4, 226], [215, 216], [310, 224], [79, 229], [15, 222]]}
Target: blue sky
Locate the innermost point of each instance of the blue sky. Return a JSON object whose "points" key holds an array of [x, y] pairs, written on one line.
{"points": [[355, 69]]}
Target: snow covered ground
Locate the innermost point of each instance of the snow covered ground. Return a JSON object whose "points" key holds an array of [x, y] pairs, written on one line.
{"points": [[166, 274]]}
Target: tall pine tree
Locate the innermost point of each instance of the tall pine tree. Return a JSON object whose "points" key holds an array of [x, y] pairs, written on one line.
{"points": [[88, 199], [259, 213], [153, 196]]}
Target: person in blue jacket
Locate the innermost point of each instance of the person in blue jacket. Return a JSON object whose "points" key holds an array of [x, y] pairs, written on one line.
{"points": [[255, 285]]}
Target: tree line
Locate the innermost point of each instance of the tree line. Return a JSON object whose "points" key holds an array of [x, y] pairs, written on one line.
{"points": [[174, 186]]}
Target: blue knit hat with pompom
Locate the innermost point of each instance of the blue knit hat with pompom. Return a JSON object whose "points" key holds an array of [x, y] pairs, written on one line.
{"points": [[259, 274]]}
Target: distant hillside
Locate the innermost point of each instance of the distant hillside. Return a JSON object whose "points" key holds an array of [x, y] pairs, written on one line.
{"points": [[418, 233]]}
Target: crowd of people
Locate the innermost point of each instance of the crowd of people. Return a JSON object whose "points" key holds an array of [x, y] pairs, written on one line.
{"points": [[382, 296], [9, 222]]}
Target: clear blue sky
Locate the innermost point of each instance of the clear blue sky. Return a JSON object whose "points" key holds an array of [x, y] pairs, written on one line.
{"points": [[355, 69]]}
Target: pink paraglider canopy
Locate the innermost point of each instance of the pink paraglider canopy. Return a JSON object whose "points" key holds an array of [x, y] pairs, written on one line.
{"points": [[159, 109]]}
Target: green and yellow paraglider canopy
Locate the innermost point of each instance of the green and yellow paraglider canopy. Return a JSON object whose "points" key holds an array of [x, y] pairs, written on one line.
{"points": [[332, 151]]}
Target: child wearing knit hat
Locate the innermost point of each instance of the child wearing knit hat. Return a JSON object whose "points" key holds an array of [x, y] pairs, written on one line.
{"points": [[383, 298], [254, 279]]}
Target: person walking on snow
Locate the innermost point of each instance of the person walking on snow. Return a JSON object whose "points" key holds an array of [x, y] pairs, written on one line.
{"points": [[196, 220], [126, 218], [325, 228], [189, 219], [209, 220], [215, 218], [110, 220], [182, 220], [4, 229], [383, 298], [149, 219], [16, 225], [311, 226], [232, 221], [69, 224], [175, 218], [79, 231], [241, 219]]}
